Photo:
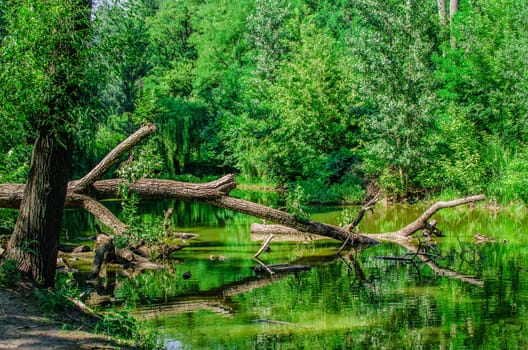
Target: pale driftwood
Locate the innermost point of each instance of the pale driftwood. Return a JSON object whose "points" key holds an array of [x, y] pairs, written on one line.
{"points": [[260, 232], [83, 307], [282, 323], [264, 246]]}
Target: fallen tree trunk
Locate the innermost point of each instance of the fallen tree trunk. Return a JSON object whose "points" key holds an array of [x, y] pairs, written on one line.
{"points": [[283, 218], [86, 193], [214, 193], [260, 232], [396, 236], [11, 194]]}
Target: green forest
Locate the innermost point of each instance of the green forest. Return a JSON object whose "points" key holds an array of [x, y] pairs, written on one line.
{"points": [[332, 99], [331, 104]]}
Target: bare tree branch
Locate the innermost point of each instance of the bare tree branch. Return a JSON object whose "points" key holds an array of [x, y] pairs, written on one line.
{"points": [[111, 158]]}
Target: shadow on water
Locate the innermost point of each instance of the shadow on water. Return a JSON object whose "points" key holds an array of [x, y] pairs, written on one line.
{"points": [[353, 301]]}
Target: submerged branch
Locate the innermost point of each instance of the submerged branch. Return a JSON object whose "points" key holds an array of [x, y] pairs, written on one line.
{"points": [[263, 247], [441, 270]]}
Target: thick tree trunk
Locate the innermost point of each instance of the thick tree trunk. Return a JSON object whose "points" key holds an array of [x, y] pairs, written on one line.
{"points": [[34, 243], [35, 240]]}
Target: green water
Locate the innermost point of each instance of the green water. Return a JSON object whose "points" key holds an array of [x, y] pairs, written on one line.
{"points": [[357, 301]]}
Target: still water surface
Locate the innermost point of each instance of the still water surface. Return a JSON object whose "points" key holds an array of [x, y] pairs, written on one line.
{"points": [[352, 301]]}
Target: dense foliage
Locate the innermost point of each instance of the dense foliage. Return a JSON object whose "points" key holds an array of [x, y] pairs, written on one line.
{"points": [[338, 97]]}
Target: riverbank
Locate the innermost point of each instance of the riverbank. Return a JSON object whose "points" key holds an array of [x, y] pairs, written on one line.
{"points": [[24, 326]]}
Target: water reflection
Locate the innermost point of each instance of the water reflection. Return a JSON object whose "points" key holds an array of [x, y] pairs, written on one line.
{"points": [[353, 301]]}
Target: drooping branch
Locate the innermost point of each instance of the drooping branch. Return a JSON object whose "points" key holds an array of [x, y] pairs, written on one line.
{"points": [[259, 232]]}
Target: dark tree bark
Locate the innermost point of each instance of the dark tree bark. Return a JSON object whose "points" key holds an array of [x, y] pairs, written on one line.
{"points": [[34, 243]]}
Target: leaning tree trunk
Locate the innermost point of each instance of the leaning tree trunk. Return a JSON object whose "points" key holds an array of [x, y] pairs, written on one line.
{"points": [[34, 243]]}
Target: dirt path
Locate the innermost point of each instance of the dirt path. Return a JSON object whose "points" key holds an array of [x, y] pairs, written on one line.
{"points": [[23, 326]]}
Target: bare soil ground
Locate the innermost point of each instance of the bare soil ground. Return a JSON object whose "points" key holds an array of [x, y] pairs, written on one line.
{"points": [[23, 326]]}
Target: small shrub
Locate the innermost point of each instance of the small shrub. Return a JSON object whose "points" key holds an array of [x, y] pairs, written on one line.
{"points": [[9, 273], [513, 185], [295, 203], [348, 215], [7, 220], [54, 300], [121, 324]]}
